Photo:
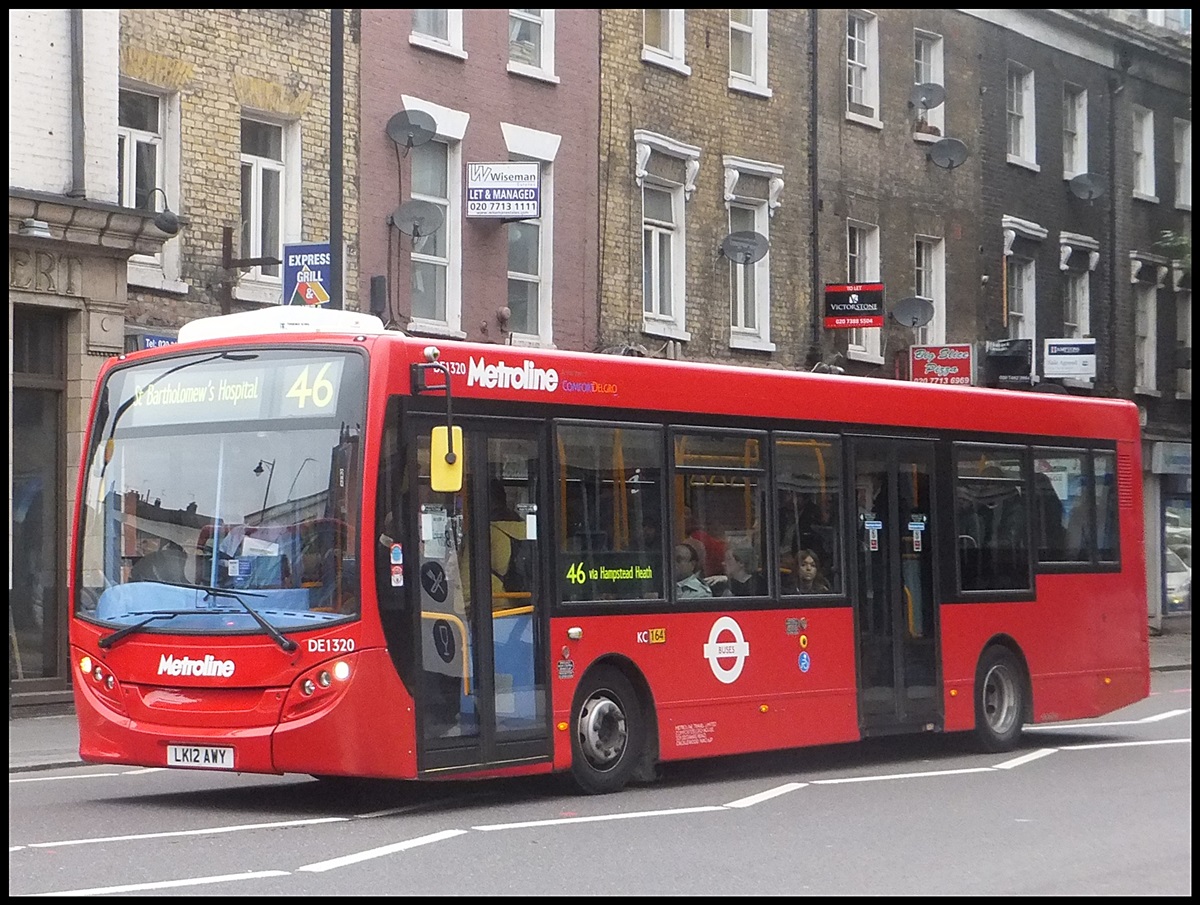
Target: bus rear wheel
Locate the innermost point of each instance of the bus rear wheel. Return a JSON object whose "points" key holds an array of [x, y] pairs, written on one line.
{"points": [[1000, 699], [608, 732]]}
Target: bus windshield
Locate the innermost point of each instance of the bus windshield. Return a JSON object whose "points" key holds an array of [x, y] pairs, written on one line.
{"points": [[224, 473]]}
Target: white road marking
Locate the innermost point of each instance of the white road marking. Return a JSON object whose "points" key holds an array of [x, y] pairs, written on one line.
{"points": [[1025, 758], [558, 821], [752, 800], [332, 863], [1158, 741], [1043, 727], [168, 884], [884, 778], [208, 831]]}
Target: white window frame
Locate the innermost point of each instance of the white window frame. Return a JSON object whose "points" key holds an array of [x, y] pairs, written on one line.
{"points": [[1145, 338], [758, 338], [1183, 164], [673, 56], [544, 72], [1021, 282], [161, 271], [1075, 131], [1183, 340], [533, 144], [862, 250], [862, 67], [451, 128], [1143, 155], [253, 285], [932, 71], [1021, 117], [929, 283], [755, 81], [647, 144], [451, 45], [1077, 292]]}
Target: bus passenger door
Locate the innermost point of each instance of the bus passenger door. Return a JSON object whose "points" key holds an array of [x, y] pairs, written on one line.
{"points": [[483, 697], [895, 616]]}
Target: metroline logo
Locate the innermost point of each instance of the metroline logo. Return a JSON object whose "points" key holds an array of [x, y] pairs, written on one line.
{"points": [[527, 376], [210, 666]]}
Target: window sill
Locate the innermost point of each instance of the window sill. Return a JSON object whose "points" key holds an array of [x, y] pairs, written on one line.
{"points": [[433, 328], [1079, 383], [665, 329], [151, 276], [1146, 391], [1185, 396], [260, 293], [1142, 196], [658, 58], [529, 341], [750, 342], [1024, 164], [437, 46], [873, 358], [872, 121], [533, 72], [745, 86], [927, 137], [1183, 206]]}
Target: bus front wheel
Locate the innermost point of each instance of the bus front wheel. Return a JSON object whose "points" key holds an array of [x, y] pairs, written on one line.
{"points": [[1000, 700], [608, 732]]}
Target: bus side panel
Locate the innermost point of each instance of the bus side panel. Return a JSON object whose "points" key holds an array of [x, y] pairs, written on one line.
{"points": [[1084, 641], [368, 731], [728, 682]]}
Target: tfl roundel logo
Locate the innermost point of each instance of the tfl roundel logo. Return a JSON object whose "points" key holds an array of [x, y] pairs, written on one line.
{"points": [[726, 643]]}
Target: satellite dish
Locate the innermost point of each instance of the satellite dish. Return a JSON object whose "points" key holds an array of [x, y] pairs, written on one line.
{"points": [[927, 95], [417, 218], [947, 153], [410, 128], [745, 247], [1087, 186], [913, 311]]}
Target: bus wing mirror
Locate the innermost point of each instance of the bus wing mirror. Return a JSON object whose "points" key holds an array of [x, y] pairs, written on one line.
{"points": [[445, 462]]}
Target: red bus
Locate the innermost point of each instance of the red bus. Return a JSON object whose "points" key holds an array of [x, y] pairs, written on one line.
{"points": [[386, 557]]}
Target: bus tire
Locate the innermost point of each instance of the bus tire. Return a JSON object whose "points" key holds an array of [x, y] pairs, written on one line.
{"points": [[608, 732], [1000, 699]]}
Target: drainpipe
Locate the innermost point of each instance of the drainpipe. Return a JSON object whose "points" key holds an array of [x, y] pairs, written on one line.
{"points": [[337, 103], [814, 352], [78, 187]]}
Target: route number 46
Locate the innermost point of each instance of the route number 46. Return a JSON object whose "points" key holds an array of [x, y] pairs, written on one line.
{"points": [[320, 390]]}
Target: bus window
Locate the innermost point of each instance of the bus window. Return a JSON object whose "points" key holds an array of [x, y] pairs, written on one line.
{"points": [[610, 504], [991, 517], [808, 500], [1059, 479], [718, 513]]}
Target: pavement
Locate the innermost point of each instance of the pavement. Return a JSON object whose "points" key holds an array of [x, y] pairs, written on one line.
{"points": [[46, 742]]}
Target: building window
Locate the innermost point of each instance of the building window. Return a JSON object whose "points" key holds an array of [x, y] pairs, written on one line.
{"points": [[1021, 298], [1075, 132], [1022, 136], [148, 144], [862, 68], [1076, 304], [749, 284], [1143, 154], [530, 243], [1145, 345], [1183, 342], [1183, 164], [660, 240], [431, 253], [531, 42], [666, 169], [1175, 19], [862, 266], [748, 51], [930, 284], [263, 191], [662, 39], [438, 29], [524, 275], [927, 65]]}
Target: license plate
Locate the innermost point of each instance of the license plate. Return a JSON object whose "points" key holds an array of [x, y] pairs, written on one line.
{"points": [[204, 757]]}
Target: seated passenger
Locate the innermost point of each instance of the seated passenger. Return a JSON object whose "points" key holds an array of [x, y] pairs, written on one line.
{"points": [[741, 579], [688, 581], [810, 580]]}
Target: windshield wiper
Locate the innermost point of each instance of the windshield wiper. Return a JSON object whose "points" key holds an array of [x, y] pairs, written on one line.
{"points": [[276, 635], [109, 640]]}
